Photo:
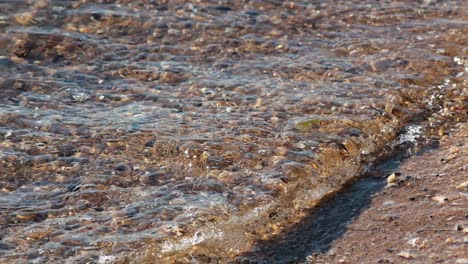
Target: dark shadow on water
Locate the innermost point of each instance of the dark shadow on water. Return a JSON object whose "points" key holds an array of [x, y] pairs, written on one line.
{"points": [[316, 232]]}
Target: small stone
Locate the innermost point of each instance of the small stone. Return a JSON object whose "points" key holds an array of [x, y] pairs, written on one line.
{"points": [[454, 149], [172, 77], [38, 235], [31, 216], [121, 168], [406, 255], [392, 178], [153, 179], [458, 227], [258, 166], [462, 185], [25, 18], [450, 157], [150, 144], [5, 246], [440, 199], [173, 32]]}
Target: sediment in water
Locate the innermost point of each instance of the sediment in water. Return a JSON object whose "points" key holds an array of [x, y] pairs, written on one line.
{"points": [[192, 133]]}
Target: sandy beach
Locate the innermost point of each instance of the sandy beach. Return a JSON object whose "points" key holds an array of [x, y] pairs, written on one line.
{"points": [[421, 217]]}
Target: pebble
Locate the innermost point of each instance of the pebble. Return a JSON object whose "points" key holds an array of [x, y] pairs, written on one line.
{"points": [[440, 199], [173, 31], [454, 149], [386, 203], [25, 18], [258, 166], [462, 185], [38, 234], [153, 179], [406, 255], [392, 178], [450, 157], [31, 216], [5, 246], [121, 168]]}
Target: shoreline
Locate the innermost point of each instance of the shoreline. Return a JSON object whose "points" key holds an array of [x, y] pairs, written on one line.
{"points": [[421, 217], [198, 133]]}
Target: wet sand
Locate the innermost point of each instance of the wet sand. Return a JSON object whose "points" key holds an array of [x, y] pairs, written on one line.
{"points": [[422, 219]]}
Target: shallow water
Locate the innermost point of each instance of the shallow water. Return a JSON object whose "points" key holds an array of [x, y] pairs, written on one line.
{"points": [[134, 130], [316, 232]]}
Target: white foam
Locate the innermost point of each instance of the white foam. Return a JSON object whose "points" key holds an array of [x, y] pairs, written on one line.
{"points": [[413, 132], [106, 259]]}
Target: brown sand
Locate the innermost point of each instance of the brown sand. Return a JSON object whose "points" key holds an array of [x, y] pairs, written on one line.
{"points": [[422, 218]]}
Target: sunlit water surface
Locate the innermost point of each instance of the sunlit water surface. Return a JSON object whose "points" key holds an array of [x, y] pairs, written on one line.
{"points": [[134, 130]]}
